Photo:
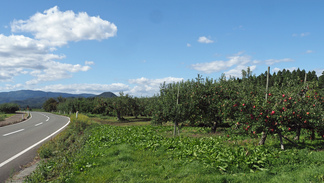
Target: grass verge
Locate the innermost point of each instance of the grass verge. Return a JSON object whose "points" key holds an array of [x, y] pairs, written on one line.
{"points": [[90, 152], [4, 116]]}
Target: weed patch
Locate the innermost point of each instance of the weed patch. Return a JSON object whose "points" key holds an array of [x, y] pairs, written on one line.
{"points": [[90, 152]]}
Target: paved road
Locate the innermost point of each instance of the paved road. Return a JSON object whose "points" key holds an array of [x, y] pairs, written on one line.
{"points": [[19, 142]]}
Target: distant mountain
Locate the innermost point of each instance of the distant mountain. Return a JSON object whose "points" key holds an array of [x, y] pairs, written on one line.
{"points": [[106, 95], [35, 99], [33, 103], [27, 94]]}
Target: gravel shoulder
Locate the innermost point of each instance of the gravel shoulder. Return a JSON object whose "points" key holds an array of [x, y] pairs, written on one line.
{"points": [[28, 169], [19, 117]]}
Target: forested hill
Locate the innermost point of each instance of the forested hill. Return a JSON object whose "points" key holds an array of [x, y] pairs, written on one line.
{"points": [[106, 95], [34, 99]]}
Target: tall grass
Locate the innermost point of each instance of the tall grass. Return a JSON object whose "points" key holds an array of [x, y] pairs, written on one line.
{"points": [[3, 117]]}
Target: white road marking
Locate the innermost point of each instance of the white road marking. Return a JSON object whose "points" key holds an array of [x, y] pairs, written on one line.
{"points": [[39, 124], [29, 148], [46, 116], [13, 132]]}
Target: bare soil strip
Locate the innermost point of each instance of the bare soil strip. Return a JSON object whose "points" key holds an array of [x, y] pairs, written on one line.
{"points": [[19, 117]]}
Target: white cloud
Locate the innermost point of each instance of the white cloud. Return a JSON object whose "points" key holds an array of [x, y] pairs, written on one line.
{"points": [[276, 69], [188, 45], [87, 88], [59, 27], [240, 27], [301, 34], [148, 87], [136, 87], [234, 65], [9, 87], [55, 71], [309, 51], [89, 63], [204, 39], [304, 34], [217, 66], [24, 55], [237, 71], [140, 87], [273, 61], [319, 72]]}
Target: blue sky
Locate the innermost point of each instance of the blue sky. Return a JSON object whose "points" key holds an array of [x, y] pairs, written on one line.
{"points": [[133, 46]]}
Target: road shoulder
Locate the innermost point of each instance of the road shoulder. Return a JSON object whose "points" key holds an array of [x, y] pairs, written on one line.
{"points": [[19, 117], [27, 169]]}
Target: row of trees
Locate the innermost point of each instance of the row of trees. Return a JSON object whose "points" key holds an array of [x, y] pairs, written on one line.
{"points": [[281, 77], [244, 106], [124, 105], [290, 106]]}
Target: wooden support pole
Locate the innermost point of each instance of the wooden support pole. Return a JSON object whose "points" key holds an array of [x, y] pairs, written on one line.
{"points": [[267, 86], [264, 134]]}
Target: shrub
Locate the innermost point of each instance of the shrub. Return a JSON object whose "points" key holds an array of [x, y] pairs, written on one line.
{"points": [[9, 108]]}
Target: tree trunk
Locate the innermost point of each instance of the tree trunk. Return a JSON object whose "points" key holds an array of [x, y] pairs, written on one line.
{"points": [[281, 143], [118, 115], [313, 135], [214, 128], [297, 133], [263, 138], [175, 129]]}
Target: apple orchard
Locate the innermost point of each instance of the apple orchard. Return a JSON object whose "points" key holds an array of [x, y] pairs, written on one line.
{"points": [[285, 110]]}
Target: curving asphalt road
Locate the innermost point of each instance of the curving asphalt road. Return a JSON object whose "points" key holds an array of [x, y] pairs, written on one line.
{"points": [[19, 142]]}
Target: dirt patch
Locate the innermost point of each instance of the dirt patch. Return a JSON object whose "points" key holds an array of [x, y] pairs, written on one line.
{"points": [[18, 117], [28, 169], [127, 122]]}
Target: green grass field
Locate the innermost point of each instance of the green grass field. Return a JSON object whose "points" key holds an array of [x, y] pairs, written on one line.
{"points": [[89, 151]]}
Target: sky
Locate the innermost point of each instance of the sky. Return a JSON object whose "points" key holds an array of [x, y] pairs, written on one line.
{"points": [[134, 46]]}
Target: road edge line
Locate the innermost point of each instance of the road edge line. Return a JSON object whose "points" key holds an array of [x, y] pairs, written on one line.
{"points": [[29, 148]]}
